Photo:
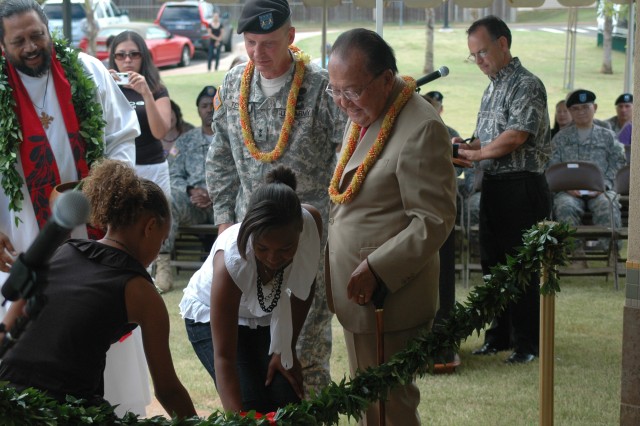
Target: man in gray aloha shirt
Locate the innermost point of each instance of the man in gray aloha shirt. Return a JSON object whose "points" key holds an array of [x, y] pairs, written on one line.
{"points": [[585, 141], [511, 144], [233, 174]]}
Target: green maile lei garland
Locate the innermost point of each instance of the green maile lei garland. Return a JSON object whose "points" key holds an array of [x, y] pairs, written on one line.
{"points": [[545, 246], [88, 111]]}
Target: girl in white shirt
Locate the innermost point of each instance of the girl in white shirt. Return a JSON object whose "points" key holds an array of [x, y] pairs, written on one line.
{"points": [[252, 296]]}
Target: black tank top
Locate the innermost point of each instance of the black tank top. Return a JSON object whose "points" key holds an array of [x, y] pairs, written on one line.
{"points": [[63, 351]]}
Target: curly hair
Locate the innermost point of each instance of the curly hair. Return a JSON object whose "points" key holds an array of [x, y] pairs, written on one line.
{"points": [[118, 197], [273, 205]]}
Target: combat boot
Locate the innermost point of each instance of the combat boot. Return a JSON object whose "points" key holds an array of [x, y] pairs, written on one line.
{"points": [[164, 275]]}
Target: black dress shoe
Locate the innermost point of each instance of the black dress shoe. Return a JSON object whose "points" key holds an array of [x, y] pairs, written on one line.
{"points": [[487, 349], [520, 358]]}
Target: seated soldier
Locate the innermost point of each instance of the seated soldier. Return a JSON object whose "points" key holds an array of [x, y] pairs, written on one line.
{"points": [[624, 112], [191, 204], [584, 141]]}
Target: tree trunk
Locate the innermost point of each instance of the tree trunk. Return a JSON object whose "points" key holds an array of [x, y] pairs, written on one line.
{"points": [[607, 45], [92, 28], [428, 54]]}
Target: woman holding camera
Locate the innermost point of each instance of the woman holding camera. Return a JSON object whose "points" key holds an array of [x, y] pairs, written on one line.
{"points": [[133, 69]]}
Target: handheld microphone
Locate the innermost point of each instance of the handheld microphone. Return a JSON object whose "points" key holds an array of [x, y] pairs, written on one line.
{"points": [[441, 72], [70, 209]]}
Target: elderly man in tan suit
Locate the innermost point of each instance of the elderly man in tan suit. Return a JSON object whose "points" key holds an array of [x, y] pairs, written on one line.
{"points": [[393, 196]]}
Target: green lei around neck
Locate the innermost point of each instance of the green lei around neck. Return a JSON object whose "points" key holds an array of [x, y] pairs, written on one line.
{"points": [[88, 111]]}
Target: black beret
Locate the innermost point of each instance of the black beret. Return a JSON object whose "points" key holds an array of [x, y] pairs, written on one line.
{"points": [[580, 96], [263, 16], [435, 95], [207, 91], [625, 98]]}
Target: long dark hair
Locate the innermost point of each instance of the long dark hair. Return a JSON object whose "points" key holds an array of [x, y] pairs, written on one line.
{"points": [[273, 205], [179, 119], [147, 68]]}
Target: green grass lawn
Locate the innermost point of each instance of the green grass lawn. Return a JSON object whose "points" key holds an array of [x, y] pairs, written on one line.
{"points": [[484, 391]]}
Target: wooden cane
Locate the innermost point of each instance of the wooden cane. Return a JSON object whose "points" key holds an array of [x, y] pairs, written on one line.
{"points": [[380, 350]]}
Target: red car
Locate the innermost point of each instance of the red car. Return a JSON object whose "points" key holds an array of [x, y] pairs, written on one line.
{"points": [[166, 48]]}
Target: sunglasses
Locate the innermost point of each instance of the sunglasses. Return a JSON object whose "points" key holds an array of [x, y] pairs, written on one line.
{"points": [[122, 55]]}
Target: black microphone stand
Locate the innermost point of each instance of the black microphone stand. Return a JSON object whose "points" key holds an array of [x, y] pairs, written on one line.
{"points": [[30, 287]]}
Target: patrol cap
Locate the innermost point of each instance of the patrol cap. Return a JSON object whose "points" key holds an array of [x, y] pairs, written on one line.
{"points": [[263, 16], [209, 91], [625, 98], [580, 96], [435, 95]]}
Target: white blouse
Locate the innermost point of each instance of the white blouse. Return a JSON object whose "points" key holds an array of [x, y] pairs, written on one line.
{"points": [[298, 278]]}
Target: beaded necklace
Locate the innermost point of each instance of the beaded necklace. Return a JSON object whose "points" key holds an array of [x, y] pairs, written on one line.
{"points": [[275, 293]]}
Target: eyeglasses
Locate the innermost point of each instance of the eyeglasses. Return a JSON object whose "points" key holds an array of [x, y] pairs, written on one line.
{"points": [[349, 94], [473, 57], [120, 56]]}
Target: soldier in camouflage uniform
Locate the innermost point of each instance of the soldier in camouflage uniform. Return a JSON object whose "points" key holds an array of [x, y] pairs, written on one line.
{"points": [[512, 147], [191, 204], [233, 173], [584, 141]]}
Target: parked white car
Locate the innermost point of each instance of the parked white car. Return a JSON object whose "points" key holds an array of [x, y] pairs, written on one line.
{"points": [[105, 12]]}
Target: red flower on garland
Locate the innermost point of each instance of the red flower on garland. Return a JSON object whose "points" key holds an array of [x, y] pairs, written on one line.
{"points": [[269, 416]]}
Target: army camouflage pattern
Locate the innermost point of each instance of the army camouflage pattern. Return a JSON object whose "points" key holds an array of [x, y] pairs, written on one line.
{"points": [[233, 175], [187, 170], [515, 100], [613, 124], [601, 148]]}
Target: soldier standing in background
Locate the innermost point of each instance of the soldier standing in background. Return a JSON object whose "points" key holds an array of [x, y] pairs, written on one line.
{"points": [[274, 111]]}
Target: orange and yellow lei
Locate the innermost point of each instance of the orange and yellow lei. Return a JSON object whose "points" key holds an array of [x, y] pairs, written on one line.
{"points": [[245, 122], [374, 151]]}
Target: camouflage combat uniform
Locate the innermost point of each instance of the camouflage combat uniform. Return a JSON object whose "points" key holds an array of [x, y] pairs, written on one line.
{"points": [[187, 171], [601, 148], [233, 175]]}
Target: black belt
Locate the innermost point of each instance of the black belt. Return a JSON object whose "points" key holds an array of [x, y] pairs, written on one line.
{"points": [[511, 176]]}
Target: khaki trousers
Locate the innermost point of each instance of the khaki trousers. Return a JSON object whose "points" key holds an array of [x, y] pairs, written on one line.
{"points": [[401, 407]]}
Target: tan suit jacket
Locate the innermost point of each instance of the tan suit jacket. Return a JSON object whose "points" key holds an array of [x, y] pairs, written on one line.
{"points": [[402, 215]]}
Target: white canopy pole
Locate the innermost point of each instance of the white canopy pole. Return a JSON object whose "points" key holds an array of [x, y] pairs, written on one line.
{"points": [[628, 63], [379, 16]]}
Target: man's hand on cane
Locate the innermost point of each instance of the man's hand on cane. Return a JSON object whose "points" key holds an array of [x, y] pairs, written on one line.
{"points": [[362, 284]]}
